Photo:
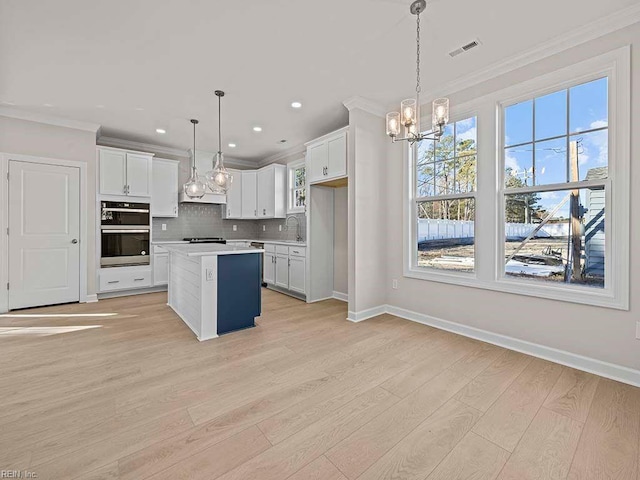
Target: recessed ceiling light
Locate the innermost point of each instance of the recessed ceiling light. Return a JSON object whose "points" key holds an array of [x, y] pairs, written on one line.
{"points": [[257, 129], [161, 130], [232, 145], [139, 109], [99, 106], [48, 105], [296, 105]]}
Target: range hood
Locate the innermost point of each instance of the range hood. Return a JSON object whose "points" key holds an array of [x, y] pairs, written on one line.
{"points": [[208, 198]]}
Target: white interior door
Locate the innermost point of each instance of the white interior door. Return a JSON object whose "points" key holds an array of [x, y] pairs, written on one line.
{"points": [[44, 234]]}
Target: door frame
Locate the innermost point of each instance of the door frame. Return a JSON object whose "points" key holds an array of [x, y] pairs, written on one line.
{"points": [[4, 220]]}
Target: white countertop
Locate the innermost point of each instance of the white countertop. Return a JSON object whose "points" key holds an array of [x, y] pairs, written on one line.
{"points": [[231, 240], [208, 249], [273, 242]]}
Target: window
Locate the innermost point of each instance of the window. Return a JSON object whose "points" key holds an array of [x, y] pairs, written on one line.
{"points": [[528, 192], [554, 233], [445, 173], [297, 187]]}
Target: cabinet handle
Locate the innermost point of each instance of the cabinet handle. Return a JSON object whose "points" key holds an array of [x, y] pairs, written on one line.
{"points": [[114, 281], [255, 213], [138, 279], [124, 189], [264, 211]]}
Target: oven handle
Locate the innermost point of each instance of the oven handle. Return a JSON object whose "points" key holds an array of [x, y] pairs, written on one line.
{"points": [[127, 210], [104, 230]]}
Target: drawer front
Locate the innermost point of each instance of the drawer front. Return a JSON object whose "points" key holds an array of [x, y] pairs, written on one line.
{"points": [[269, 248], [113, 279], [298, 251], [159, 249], [283, 249]]}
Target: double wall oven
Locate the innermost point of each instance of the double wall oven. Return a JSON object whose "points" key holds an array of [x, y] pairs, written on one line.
{"points": [[125, 234]]}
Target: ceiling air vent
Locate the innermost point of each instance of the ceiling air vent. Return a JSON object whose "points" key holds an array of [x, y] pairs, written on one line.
{"points": [[465, 48]]}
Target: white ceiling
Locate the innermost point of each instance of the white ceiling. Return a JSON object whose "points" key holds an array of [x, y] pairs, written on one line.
{"points": [[136, 65]]}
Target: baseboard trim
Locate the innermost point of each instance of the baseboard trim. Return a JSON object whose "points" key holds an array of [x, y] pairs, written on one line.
{"points": [[91, 298], [366, 314], [579, 362], [127, 293], [340, 296]]}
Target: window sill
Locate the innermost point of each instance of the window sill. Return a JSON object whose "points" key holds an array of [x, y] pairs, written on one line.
{"points": [[573, 294]]}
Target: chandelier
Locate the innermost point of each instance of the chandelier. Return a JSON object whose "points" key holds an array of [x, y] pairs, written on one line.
{"points": [[219, 179], [409, 114]]}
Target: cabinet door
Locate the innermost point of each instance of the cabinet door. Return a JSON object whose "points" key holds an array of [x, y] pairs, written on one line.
{"points": [[249, 195], [317, 159], [161, 269], [337, 164], [269, 268], [138, 175], [297, 274], [234, 196], [164, 193], [113, 172], [282, 271], [266, 193]]}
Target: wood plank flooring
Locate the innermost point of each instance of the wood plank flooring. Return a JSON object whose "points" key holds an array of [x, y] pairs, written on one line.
{"points": [[122, 390]]}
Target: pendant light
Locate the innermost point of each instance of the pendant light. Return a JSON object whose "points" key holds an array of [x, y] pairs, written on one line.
{"points": [[194, 188], [219, 179], [409, 114]]}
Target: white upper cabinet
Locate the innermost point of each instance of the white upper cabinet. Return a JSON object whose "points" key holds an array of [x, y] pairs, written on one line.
{"points": [[249, 194], [272, 194], [327, 157], [234, 196], [164, 193], [125, 173], [139, 176], [113, 172]]}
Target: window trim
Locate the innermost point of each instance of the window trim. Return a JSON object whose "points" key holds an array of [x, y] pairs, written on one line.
{"points": [[291, 168], [489, 229]]}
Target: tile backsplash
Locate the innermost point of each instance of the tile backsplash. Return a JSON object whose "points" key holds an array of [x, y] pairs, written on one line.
{"points": [[205, 220]]}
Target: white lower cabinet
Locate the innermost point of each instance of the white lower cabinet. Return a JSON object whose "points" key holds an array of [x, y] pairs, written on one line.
{"points": [[297, 274], [285, 267], [124, 278], [282, 270], [160, 269]]}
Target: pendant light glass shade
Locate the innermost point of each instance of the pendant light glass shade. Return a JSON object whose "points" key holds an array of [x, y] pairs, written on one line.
{"points": [[194, 188], [409, 112], [219, 179], [393, 124], [440, 112]]}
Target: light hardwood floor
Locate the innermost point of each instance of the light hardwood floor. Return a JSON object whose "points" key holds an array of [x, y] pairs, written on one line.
{"points": [[121, 389]]}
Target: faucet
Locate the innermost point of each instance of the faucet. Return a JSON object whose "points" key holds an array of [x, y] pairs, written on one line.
{"points": [[286, 225]]}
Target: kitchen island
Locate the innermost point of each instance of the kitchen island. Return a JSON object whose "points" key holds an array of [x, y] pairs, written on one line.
{"points": [[214, 288]]}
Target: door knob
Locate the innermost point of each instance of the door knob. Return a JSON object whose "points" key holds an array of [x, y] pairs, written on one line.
{"points": [[74, 241]]}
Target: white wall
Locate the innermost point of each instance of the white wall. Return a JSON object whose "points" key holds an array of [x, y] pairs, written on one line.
{"points": [[603, 334], [43, 140], [367, 211], [340, 247]]}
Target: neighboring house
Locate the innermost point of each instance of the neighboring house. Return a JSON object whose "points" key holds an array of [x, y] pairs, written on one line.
{"points": [[594, 225]]}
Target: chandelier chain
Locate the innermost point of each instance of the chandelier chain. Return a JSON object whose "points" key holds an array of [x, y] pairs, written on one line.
{"points": [[418, 53]]}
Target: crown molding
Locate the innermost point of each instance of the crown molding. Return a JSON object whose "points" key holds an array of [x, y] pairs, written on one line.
{"points": [[609, 24], [141, 146], [361, 103], [37, 117], [275, 158], [229, 161]]}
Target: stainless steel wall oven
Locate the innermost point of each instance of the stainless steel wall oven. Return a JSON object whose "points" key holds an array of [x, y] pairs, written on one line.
{"points": [[125, 234]]}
